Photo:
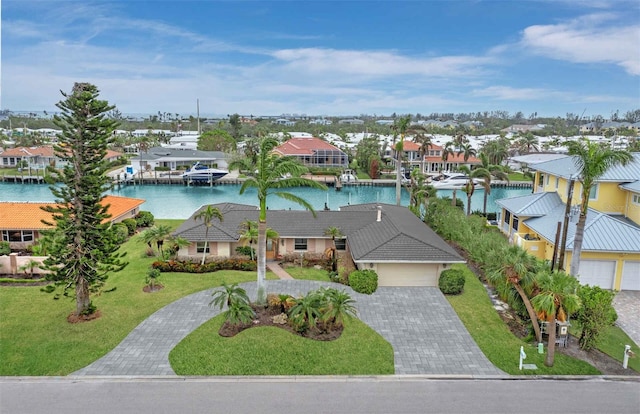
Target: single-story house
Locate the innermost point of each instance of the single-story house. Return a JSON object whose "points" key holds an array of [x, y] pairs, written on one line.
{"points": [[386, 238], [173, 158], [40, 157], [21, 222]]}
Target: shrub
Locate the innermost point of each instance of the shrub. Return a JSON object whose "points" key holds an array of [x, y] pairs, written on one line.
{"points": [[131, 225], [364, 281], [595, 315], [228, 263], [152, 277], [4, 248], [162, 169], [451, 282], [145, 219], [121, 231], [246, 251]]}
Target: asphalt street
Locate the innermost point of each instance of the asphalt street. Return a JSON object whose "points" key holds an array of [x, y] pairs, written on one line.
{"points": [[394, 394]]}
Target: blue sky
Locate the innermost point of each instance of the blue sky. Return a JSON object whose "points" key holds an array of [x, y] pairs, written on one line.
{"points": [[325, 57]]}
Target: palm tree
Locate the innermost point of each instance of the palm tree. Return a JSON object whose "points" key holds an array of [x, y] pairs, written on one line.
{"points": [[157, 234], [266, 176], [496, 171], [333, 232], [447, 151], [207, 215], [425, 141], [419, 192], [527, 142], [339, 306], [556, 300], [517, 269], [228, 295], [470, 186], [592, 161], [467, 151], [400, 126]]}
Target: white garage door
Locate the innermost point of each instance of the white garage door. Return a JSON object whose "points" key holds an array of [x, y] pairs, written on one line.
{"points": [[630, 276], [409, 274], [598, 273]]}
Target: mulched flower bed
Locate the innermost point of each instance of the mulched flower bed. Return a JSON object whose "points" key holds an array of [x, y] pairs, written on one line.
{"points": [[264, 317]]}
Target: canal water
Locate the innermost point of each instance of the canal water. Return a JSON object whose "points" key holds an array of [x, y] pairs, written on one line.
{"points": [[179, 202]]}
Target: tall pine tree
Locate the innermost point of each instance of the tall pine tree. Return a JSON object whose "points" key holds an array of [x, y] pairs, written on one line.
{"points": [[86, 249]]}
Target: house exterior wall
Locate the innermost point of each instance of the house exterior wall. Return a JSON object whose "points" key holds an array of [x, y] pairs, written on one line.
{"points": [[633, 209]]}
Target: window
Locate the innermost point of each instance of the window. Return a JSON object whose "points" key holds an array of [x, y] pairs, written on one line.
{"points": [[548, 177], [341, 244], [27, 235], [201, 246], [593, 194], [557, 182], [636, 199], [514, 225], [300, 244], [5, 235], [507, 217]]}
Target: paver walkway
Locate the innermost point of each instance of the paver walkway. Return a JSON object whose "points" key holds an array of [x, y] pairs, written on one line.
{"points": [[627, 305], [426, 334]]}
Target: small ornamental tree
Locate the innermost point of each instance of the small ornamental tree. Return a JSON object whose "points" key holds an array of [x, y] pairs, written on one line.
{"points": [[85, 250], [596, 314]]}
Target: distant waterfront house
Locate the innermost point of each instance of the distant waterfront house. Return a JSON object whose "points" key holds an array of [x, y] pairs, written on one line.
{"points": [[434, 164], [21, 222], [351, 121], [313, 152], [386, 238], [34, 156], [39, 157], [174, 158], [610, 255]]}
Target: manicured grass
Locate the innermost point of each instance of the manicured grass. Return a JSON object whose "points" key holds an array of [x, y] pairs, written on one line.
{"points": [[612, 343], [500, 346], [36, 339], [518, 176], [307, 273], [273, 351]]}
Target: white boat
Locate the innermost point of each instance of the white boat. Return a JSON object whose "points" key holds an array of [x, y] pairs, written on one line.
{"points": [[129, 173], [453, 181], [348, 176], [199, 173]]}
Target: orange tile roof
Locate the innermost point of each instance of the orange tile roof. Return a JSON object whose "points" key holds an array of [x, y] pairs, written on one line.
{"points": [[303, 146], [29, 216], [44, 151], [113, 154]]}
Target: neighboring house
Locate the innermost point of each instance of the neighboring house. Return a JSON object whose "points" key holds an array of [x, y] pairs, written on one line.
{"points": [[351, 122], [523, 128], [611, 247], [21, 222], [386, 238], [313, 152], [174, 158], [435, 164], [39, 157], [35, 156]]}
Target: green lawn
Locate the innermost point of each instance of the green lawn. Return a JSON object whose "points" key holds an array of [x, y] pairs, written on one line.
{"points": [[307, 273], [273, 351], [518, 176], [36, 339], [493, 337], [612, 343]]}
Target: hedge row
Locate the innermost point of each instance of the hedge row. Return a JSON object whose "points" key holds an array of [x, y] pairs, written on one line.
{"points": [[231, 263]]}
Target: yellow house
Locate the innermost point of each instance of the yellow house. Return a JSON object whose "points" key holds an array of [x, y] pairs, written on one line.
{"points": [[610, 255]]}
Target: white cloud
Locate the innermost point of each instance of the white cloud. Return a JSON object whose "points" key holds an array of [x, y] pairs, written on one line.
{"points": [[588, 40]]}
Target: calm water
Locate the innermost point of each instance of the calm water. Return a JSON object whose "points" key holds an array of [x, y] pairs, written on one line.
{"points": [[179, 202]]}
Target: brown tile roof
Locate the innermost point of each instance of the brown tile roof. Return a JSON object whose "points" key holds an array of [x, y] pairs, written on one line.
{"points": [[29, 216], [303, 146]]}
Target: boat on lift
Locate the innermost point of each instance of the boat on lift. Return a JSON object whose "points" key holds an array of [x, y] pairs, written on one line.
{"points": [[453, 181], [202, 174], [348, 176]]}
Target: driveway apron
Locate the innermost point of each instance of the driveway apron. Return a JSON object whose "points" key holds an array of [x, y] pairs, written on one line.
{"points": [[427, 336]]}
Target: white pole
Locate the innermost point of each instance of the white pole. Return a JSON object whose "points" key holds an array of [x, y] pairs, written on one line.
{"points": [[625, 359]]}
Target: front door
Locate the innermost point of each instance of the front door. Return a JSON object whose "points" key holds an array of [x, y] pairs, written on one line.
{"points": [[271, 249]]}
